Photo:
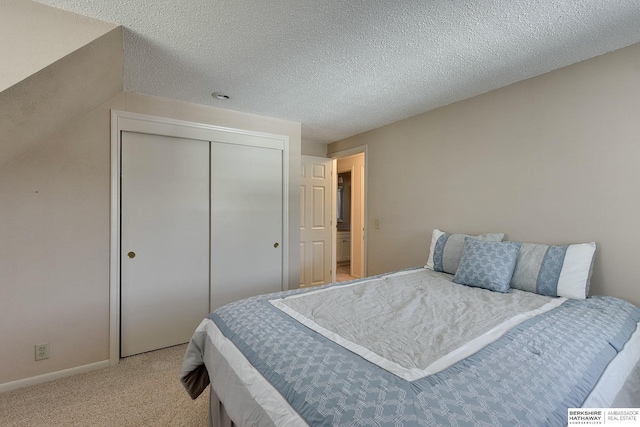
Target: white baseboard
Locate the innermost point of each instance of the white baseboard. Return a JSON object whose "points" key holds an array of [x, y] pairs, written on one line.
{"points": [[13, 385]]}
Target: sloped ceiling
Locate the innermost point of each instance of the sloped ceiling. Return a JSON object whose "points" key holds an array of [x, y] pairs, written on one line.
{"points": [[35, 36], [344, 67], [54, 67]]}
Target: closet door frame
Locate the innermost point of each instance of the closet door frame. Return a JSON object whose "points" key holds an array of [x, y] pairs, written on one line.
{"points": [[123, 121]]}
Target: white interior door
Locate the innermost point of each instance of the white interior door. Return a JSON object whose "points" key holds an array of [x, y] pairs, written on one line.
{"points": [[165, 240], [246, 221], [316, 219]]}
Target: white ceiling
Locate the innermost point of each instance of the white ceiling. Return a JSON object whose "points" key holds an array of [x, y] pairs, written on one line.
{"points": [[344, 67]]}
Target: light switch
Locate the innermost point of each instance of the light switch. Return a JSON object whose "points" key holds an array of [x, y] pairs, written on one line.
{"points": [[376, 223]]}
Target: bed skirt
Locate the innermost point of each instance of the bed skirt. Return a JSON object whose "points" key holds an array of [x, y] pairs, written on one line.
{"points": [[629, 395], [218, 417]]}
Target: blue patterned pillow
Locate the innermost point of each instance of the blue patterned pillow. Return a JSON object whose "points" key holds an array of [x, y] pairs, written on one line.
{"points": [[487, 265], [446, 249]]}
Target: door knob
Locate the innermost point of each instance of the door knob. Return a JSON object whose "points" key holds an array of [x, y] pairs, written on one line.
{"points": [[276, 244], [131, 254]]}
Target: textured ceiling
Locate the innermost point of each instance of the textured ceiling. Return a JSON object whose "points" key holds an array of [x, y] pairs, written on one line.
{"points": [[344, 67]]}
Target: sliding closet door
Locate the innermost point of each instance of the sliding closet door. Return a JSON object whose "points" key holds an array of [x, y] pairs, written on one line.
{"points": [[246, 222], [165, 240]]}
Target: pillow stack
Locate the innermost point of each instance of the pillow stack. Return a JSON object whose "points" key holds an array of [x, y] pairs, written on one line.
{"points": [[485, 261]]}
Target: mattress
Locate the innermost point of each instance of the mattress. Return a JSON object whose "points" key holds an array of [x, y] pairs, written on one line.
{"points": [[412, 348]]}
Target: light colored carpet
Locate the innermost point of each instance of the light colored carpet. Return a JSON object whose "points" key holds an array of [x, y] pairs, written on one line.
{"points": [[142, 390], [343, 273]]}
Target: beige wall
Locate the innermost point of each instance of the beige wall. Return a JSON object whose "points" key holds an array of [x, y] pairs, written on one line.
{"points": [[34, 36], [54, 205], [45, 102], [55, 200], [314, 149], [54, 210], [553, 159]]}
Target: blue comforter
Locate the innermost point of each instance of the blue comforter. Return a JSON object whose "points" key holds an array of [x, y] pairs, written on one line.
{"points": [[529, 376]]}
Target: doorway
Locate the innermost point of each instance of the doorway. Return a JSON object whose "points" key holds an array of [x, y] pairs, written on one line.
{"points": [[343, 227], [351, 224]]}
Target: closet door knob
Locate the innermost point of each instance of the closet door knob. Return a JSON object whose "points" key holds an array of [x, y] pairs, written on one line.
{"points": [[131, 254], [276, 244]]}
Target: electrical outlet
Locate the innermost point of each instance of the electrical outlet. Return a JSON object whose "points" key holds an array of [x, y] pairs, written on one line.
{"points": [[42, 351]]}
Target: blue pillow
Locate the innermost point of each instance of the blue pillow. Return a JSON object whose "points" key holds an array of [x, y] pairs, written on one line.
{"points": [[446, 249], [487, 265]]}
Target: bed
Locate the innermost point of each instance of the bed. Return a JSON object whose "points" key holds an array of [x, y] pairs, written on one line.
{"points": [[421, 347]]}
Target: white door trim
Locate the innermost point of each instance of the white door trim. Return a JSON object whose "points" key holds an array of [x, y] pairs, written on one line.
{"points": [[122, 121], [350, 152]]}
